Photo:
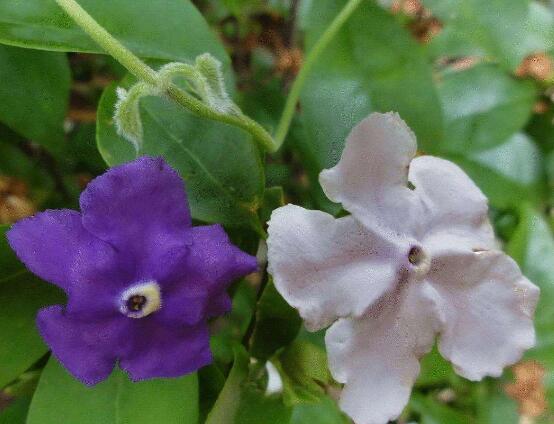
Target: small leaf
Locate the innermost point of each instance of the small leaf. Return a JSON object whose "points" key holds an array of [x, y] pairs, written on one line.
{"points": [[277, 324], [227, 404], [433, 412], [215, 93], [127, 113], [304, 371]]}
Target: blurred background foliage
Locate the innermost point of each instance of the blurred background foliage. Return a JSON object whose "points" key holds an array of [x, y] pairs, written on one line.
{"points": [[473, 78]]}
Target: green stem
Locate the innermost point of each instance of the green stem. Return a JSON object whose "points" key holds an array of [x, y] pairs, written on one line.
{"points": [[87, 23], [145, 73], [324, 40]]}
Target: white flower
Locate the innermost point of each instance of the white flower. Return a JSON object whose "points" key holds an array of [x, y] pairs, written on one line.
{"points": [[416, 258]]}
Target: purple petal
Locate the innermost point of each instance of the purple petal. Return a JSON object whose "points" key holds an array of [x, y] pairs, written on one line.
{"points": [[165, 351], [55, 246], [183, 304], [87, 350], [219, 305], [214, 261], [140, 208]]}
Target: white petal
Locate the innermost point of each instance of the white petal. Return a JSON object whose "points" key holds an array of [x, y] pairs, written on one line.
{"points": [[328, 268], [488, 308], [377, 356], [371, 178], [451, 201]]}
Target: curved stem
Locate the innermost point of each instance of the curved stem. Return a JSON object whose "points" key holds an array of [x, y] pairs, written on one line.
{"points": [[145, 73], [123, 55], [324, 40]]}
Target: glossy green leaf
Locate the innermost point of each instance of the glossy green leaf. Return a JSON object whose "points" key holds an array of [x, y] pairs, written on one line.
{"points": [[435, 370], [226, 405], [434, 412], [274, 197], [483, 107], [258, 408], [21, 296], [220, 164], [326, 411], [62, 399], [304, 371], [277, 324], [232, 327], [532, 245], [509, 173], [492, 29], [173, 30], [16, 412], [495, 407], [34, 88], [372, 64], [241, 401]]}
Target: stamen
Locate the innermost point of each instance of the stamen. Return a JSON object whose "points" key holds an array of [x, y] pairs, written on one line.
{"points": [[420, 261], [140, 300], [414, 256]]}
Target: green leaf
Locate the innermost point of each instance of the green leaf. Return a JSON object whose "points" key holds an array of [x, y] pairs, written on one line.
{"points": [[221, 166], [62, 399], [34, 88], [274, 197], [325, 411], [277, 324], [509, 173], [172, 31], [16, 412], [435, 370], [227, 404], [496, 407], [232, 327], [483, 107], [242, 402], [532, 246], [304, 371], [372, 65], [492, 29], [433, 412], [257, 408], [21, 295]]}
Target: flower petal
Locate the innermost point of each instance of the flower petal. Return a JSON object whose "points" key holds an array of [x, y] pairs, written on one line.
{"points": [[328, 268], [371, 178], [377, 356], [183, 305], [139, 208], [488, 310], [166, 351], [86, 349], [214, 261], [452, 202], [55, 246]]}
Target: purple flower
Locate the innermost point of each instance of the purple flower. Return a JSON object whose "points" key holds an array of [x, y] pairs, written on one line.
{"points": [[141, 281]]}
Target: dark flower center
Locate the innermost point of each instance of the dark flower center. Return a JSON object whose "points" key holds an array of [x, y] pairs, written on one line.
{"points": [[415, 255], [136, 302], [140, 300]]}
